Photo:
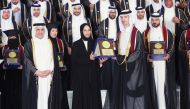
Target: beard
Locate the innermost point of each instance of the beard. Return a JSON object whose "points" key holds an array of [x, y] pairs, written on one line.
{"points": [[155, 25], [15, 3], [140, 17], [76, 13], [5, 17], [112, 17]]}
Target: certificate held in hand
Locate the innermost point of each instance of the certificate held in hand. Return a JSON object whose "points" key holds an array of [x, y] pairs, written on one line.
{"points": [[12, 58], [157, 50], [62, 66], [104, 48]]}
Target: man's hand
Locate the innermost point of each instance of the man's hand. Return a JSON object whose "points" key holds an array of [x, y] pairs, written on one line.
{"points": [[176, 20], [188, 53], [167, 57], [47, 72], [42, 74], [69, 50], [15, 10], [39, 74], [149, 59]]}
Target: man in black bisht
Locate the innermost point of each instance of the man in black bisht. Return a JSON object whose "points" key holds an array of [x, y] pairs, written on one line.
{"points": [[41, 87], [184, 55], [161, 71], [128, 90]]}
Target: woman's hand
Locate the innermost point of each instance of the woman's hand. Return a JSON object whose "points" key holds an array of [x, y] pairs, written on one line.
{"points": [[92, 56], [102, 60]]}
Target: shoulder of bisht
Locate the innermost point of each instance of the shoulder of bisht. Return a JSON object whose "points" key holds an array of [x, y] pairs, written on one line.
{"points": [[146, 32], [9, 5], [133, 37], [181, 15], [117, 24], [23, 12], [146, 38], [168, 37]]}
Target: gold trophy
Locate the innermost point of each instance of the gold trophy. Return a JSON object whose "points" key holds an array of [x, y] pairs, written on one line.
{"points": [[104, 48]]}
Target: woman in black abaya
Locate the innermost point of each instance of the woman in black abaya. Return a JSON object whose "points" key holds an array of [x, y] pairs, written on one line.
{"points": [[59, 48], [84, 76]]}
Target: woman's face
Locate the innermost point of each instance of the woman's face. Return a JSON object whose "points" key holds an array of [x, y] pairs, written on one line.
{"points": [[87, 31], [53, 32]]}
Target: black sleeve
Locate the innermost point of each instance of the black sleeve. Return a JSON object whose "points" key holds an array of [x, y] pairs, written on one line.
{"points": [[138, 50], [28, 59], [25, 30], [99, 31], [171, 49], [65, 34], [77, 57], [182, 47], [184, 24], [57, 5]]}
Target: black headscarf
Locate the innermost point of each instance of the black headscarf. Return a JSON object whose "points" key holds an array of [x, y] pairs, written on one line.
{"points": [[81, 32], [90, 39], [50, 26], [13, 43], [54, 40]]}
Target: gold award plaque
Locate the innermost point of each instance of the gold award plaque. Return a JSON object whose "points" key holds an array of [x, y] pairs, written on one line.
{"points": [[107, 52], [158, 46], [12, 54], [106, 44]]}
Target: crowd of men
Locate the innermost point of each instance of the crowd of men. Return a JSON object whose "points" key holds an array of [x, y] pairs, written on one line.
{"points": [[47, 52]]}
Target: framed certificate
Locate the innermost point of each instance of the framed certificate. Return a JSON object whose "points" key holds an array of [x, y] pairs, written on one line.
{"points": [[157, 50], [12, 58], [104, 48], [62, 67]]}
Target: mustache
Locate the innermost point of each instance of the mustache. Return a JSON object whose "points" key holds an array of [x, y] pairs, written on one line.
{"points": [[155, 25]]}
